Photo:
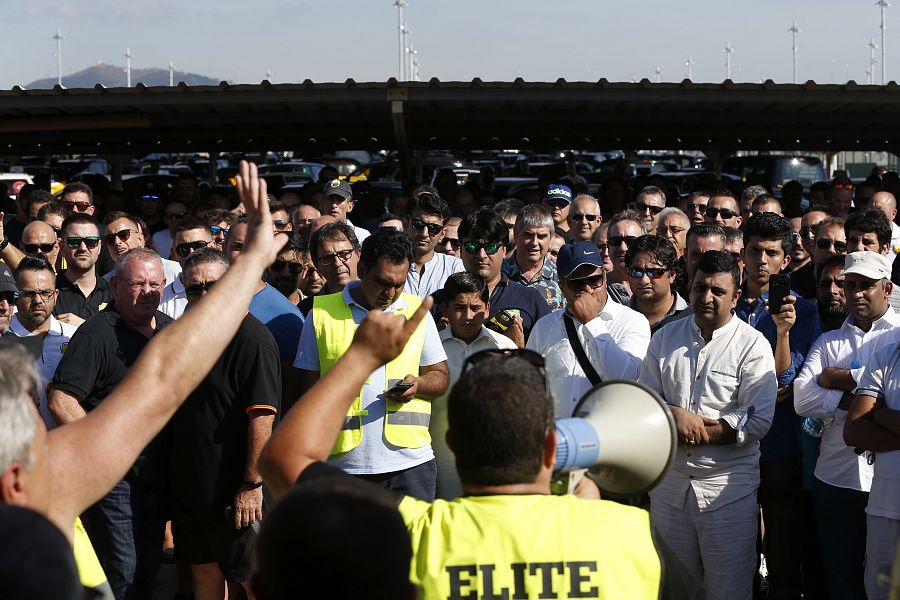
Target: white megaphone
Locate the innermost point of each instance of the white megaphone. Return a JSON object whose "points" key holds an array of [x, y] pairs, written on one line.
{"points": [[623, 433]]}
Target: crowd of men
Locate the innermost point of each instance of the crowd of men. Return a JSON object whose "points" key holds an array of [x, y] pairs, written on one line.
{"points": [[225, 351]]}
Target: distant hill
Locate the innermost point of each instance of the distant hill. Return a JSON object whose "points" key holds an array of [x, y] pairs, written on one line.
{"points": [[114, 76]]}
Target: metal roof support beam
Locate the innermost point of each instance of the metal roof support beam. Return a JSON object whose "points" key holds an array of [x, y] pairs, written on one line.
{"points": [[213, 173], [397, 97]]}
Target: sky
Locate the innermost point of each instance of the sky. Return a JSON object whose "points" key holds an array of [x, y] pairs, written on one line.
{"points": [[456, 40]]}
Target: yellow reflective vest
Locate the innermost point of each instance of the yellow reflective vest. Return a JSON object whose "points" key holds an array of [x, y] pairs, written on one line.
{"points": [[405, 424], [531, 546]]}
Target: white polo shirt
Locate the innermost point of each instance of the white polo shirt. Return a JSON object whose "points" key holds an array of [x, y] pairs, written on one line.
{"points": [[174, 298], [434, 274]]}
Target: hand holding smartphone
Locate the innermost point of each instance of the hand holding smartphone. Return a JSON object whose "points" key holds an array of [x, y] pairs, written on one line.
{"points": [[779, 288]]}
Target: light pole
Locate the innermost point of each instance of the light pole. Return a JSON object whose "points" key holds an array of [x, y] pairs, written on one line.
{"points": [[871, 70], [171, 74], [728, 50], [59, 38], [658, 72], [689, 63], [794, 31], [882, 4], [401, 49], [127, 67]]}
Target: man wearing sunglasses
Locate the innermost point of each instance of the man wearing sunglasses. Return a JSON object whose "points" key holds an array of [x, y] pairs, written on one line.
{"points": [[557, 198], [450, 243], [624, 230], [530, 264], [189, 235], [723, 210], [385, 438], [39, 239], [652, 263], [82, 293], [77, 197], [173, 212], [840, 196], [289, 268], [612, 336], [123, 233], [694, 206], [584, 218], [830, 239], [650, 201], [429, 269]]}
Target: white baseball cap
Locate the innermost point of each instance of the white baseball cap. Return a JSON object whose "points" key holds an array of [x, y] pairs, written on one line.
{"points": [[868, 264]]}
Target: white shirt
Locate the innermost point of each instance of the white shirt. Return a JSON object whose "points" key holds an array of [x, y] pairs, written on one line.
{"points": [[615, 342], [448, 484], [55, 344], [847, 347], [174, 298], [882, 380], [374, 454], [361, 233], [895, 238], [720, 379], [163, 242], [434, 274]]}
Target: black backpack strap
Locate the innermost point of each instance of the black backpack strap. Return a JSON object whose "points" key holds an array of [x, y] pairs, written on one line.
{"points": [[578, 349]]}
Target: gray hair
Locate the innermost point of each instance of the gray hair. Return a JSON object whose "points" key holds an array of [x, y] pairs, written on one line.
{"points": [[144, 254], [629, 215], [534, 215], [18, 378], [206, 256], [752, 192], [587, 197], [671, 210], [652, 190]]}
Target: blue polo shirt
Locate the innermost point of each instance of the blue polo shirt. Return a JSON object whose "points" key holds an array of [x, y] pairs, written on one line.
{"points": [[783, 439], [282, 317]]}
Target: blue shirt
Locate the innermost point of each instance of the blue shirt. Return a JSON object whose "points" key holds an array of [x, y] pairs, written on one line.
{"points": [[282, 317], [783, 439]]}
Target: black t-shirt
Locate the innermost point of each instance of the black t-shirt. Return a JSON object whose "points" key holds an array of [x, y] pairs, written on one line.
{"points": [[803, 280], [72, 300], [208, 454], [99, 356]]}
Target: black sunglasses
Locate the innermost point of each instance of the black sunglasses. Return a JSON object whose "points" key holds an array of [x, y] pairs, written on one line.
{"points": [[32, 248], [90, 241], [697, 207], [713, 212], [489, 248], [592, 281], [10, 297], [453, 242], [651, 273], [122, 234], [175, 215], [186, 249], [825, 244], [279, 265], [616, 240], [433, 228], [198, 289], [583, 217], [641, 207]]}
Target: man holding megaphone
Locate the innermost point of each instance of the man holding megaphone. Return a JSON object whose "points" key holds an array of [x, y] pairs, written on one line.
{"points": [[507, 537], [718, 376]]}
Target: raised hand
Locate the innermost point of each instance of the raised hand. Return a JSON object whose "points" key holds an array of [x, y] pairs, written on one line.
{"points": [[253, 194], [384, 335]]}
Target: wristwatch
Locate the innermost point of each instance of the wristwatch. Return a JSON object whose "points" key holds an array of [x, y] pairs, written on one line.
{"points": [[4, 243]]}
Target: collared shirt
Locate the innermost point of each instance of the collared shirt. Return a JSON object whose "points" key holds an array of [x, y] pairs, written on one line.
{"points": [[882, 380], [374, 454], [615, 342], [56, 342], [783, 440], [676, 311], [361, 233], [848, 347], [546, 281], [174, 298], [72, 300], [434, 274], [282, 317], [448, 484], [720, 379], [895, 238]]}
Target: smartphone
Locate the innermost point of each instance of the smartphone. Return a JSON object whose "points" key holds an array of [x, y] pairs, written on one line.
{"points": [[500, 321], [779, 287], [398, 386]]}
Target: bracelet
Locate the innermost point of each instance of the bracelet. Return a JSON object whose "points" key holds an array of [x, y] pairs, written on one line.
{"points": [[252, 485], [4, 243]]}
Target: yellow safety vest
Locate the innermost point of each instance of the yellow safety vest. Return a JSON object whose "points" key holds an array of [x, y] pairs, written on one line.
{"points": [[531, 546], [405, 424], [89, 570]]}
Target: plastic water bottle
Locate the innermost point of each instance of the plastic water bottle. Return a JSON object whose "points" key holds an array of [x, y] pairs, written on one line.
{"points": [[812, 426]]}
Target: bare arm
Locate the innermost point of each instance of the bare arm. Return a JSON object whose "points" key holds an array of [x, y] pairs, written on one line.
{"points": [[65, 406], [88, 456], [889, 420], [247, 501], [833, 378], [307, 433], [861, 430], [10, 255]]}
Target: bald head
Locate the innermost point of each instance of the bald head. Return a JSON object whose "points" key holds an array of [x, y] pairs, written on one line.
{"points": [[886, 203], [317, 224], [39, 238]]}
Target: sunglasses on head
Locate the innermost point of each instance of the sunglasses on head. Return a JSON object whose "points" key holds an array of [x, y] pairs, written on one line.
{"points": [[32, 248], [825, 244], [657, 273], [726, 213], [584, 217], [90, 241], [489, 248], [122, 234], [452, 242], [198, 288], [641, 207], [186, 249], [216, 230], [433, 228], [616, 240], [279, 265]]}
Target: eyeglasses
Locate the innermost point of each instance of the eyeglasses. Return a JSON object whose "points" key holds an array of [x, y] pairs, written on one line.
{"points": [[696, 207], [33, 294], [657, 273], [216, 230], [616, 240], [90, 241], [583, 217], [175, 215], [452, 242], [343, 256], [149, 198], [433, 228], [122, 234], [279, 265], [713, 212], [592, 281], [198, 288], [186, 249], [490, 248], [280, 224], [641, 207], [842, 186], [825, 244], [76, 206], [671, 229], [33, 248]]}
